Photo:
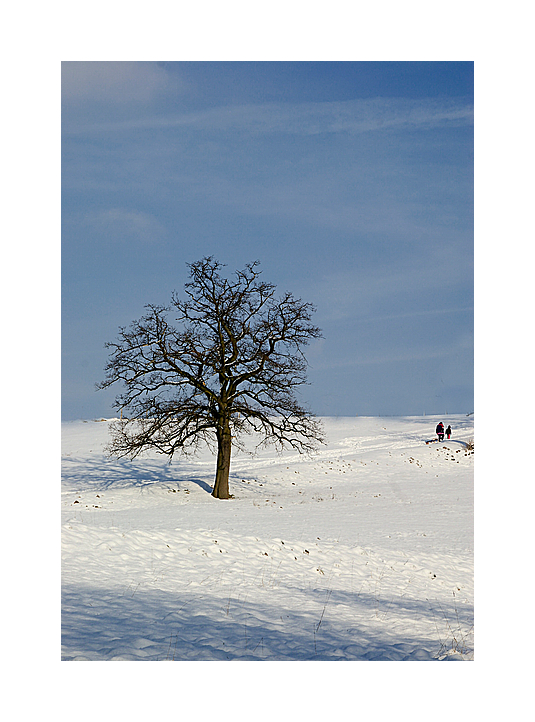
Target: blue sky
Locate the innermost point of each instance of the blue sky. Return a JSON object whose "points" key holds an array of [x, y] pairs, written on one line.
{"points": [[351, 183]]}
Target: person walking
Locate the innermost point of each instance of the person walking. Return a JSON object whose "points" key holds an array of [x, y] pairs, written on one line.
{"points": [[448, 431], [440, 431]]}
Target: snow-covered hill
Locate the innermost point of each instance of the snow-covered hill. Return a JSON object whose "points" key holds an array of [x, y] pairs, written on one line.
{"points": [[363, 552]]}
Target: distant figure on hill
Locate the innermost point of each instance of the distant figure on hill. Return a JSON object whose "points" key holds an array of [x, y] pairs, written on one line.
{"points": [[448, 431], [440, 431]]}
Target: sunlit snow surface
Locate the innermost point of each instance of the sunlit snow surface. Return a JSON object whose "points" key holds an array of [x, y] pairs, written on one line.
{"points": [[362, 552]]}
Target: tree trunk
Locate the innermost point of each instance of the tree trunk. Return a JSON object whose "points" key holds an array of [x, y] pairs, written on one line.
{"points": [[224, 448]]}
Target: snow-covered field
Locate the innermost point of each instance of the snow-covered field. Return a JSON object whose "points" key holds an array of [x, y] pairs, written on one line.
{"points": [[363, 552]]}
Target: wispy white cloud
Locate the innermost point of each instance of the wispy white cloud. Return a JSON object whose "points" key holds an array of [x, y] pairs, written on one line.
{"points": [[366, 294], [393, 357], [321, 356], [122, 225], [352, 116], [416, 314]]}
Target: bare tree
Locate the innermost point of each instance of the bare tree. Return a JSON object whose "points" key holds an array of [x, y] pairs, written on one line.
{"points": [[230, 367]]}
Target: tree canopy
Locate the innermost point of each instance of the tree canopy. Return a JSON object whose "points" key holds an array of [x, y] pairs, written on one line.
{"points": [[228, 364]]}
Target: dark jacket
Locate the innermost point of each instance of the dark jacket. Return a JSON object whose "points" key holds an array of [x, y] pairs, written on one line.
{"points": [[440, 428]]}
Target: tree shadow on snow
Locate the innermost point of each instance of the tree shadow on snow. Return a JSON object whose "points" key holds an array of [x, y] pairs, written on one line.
{"points": [[155, 625], [102, 474]]}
